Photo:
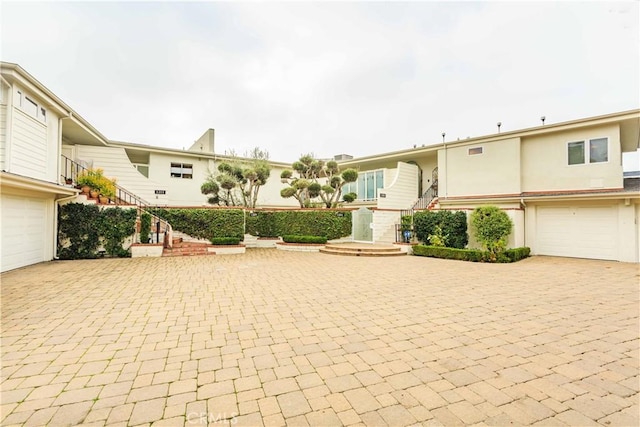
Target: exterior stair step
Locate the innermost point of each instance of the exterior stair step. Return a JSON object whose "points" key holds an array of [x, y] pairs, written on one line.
{"points": [[181, 248], [354, 249]]}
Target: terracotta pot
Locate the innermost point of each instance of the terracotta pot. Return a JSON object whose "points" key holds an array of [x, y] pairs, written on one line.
{"points": [[85, 189], [94, 194], [104, 200]]}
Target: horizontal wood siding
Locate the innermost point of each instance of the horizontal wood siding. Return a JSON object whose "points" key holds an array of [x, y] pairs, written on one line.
{"points": [[3, 135], [116, 164], [402, 192], [29, 146]]}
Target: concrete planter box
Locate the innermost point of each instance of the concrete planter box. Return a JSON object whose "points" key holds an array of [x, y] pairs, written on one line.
{"points": [[227, 249], [405, 247], [299, 247], [267, 242], [142, 250]]}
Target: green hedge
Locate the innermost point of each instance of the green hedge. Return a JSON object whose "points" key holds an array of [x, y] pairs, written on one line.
{"points": [[474, 255], [304, 239], [225, 241], [204, 223], [83, 228], [452, 224], [516, 254], [331, 224]]}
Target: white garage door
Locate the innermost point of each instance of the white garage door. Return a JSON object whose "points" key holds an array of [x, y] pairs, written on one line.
{"points": [[582, 232], [23, 231]]}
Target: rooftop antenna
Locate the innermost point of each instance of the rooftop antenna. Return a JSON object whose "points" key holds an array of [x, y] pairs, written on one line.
{"points": [[443, 135], [543, 118], [499, 124]]}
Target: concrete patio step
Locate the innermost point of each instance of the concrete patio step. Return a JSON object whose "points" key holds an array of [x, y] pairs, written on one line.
{"points": [[367, 250]]}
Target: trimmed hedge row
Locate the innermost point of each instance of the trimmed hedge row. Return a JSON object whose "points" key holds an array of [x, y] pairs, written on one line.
{"points": [[225, 241], [204, 223], [331, 224], [453, 226], [304, 239], [473, 255]]}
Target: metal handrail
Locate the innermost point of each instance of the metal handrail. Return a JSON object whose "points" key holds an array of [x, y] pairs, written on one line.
{"points": [[72, 169]]}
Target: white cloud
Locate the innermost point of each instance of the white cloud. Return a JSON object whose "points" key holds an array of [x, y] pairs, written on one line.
{"points": [[330, 77]]}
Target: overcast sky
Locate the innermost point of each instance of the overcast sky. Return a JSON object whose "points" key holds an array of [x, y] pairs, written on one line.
{"points": [[328, 77]]}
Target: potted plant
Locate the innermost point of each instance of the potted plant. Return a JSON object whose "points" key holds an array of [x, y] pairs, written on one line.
{"points": [[107, 189], [86, 179]]}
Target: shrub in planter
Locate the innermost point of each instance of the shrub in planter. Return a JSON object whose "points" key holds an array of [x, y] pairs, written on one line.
{"points": [[304, 239], [225, 241]]}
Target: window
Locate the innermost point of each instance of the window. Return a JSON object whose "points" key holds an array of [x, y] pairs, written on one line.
{"points": [[30, 107], [598, 151], [475, 150], [367, 185], [182, 170]]}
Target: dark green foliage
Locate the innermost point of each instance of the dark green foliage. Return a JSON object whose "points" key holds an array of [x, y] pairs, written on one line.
{"points": [[516, 254], [304, 239], [453, 225], [145, 227], [225, 241], [328, 223], [262, 224], [474, 255], [82, 228], [114, 226], [78, 223], [204, 223], [492, 227]]}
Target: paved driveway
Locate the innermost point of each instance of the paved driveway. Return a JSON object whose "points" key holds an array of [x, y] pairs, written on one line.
{"points": [[271, 338]]}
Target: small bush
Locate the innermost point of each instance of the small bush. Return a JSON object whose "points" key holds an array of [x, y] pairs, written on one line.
{"points": [[492, 228], [473, 255], [516, 254], [304, 239], [225, 241]]}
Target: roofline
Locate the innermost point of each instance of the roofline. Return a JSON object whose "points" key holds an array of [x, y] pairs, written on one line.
{"points": [[70, 111], [604, 118], [213, 156]]}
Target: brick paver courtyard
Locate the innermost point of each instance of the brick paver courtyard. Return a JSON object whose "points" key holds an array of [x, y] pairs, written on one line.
{"points": [[279, 338]]}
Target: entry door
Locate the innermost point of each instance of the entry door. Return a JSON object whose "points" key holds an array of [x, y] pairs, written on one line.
{"points": [[362, 219]]}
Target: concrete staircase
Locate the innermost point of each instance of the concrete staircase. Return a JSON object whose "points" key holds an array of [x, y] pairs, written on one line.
{"points": [[368, 250], [182, 248]]}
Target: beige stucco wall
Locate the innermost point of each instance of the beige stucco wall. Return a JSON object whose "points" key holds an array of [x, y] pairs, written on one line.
{"points": [[495, 171], [545, 162]]}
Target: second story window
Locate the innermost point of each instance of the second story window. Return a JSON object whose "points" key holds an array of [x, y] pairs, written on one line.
{"points": [[590, 151], [182, 170], [30, 107]]}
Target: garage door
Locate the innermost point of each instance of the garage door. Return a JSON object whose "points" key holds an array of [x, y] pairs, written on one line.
{"points": [[582, 232], [23, 231]]}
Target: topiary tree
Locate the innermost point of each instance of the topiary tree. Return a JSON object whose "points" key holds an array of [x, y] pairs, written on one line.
{"points": [[306, 186], [238, 181], [492, 228]]}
